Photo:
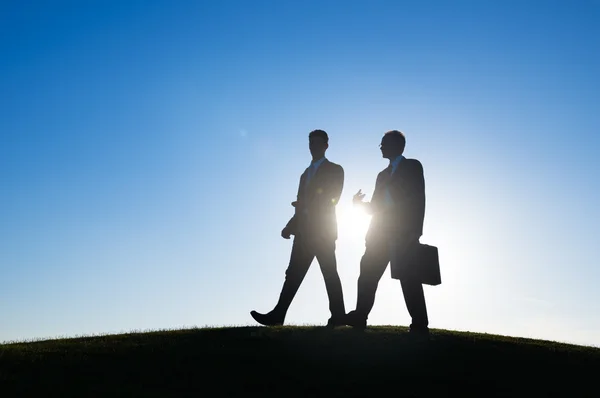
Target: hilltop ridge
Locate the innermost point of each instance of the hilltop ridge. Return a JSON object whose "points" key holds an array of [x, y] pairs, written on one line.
{"points": [[298, 361]]}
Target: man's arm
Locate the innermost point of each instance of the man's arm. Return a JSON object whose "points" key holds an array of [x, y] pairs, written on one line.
{"points": [[327, 195], [357, 200], [418, 199], [412, 194], [337, 185], [290, 227], [374, 205]]}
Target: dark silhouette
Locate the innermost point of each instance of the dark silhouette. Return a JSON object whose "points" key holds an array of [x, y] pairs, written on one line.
{"points": [[296, 362], [314, 226], [398, 210]]}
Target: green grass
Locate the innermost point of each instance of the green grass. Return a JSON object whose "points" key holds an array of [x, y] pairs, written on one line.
{"points": [[298, 361]]}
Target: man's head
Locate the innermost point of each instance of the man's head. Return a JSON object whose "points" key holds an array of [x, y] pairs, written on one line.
{"points": [[318, 142], [392, 144]]}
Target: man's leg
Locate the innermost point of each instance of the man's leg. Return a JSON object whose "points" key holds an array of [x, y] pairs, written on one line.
{"points": [[325, 252], [300, 261], [414, 298], [412, 288], [372, 266]]}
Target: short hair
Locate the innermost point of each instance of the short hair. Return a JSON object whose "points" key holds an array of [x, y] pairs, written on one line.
{"points": [[397, 138], [319, 133]]}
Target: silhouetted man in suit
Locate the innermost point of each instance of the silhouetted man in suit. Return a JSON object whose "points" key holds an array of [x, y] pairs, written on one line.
{"points": [[398, 210], [314, 227]]}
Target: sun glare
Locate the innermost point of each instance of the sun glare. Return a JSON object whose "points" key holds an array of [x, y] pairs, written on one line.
{"points": [[352, 221]]}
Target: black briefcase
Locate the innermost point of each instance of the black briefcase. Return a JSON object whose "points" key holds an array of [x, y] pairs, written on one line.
{"points": [[420, 259]]}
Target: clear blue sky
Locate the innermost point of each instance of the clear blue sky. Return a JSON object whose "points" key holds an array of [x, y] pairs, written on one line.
{"points": [[149, 152]]}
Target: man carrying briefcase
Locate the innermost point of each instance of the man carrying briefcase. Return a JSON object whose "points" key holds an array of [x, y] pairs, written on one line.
{"points": [[420, 259], [398, 210]]}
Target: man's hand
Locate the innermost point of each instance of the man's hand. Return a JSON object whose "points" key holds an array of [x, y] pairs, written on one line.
{"points": [[358, 197], [285, 233]]}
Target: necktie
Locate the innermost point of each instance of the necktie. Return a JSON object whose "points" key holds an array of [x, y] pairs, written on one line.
{"points": [[388, 196], [310, 173]]}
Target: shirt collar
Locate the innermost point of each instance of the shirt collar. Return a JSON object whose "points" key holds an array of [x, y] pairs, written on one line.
{"points": [[394, 163], [317, 163]]}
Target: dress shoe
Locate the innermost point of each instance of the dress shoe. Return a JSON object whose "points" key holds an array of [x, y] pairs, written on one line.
{"points": [[356, 320], [419, 333], [269, 319], [336, 321]]}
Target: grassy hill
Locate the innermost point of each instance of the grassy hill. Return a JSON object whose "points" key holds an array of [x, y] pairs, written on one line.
{"points": [[298, 361]]}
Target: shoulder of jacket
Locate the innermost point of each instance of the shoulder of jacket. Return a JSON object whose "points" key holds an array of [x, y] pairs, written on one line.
{"points": [[382, 172], [334, 165], [414, 163]]}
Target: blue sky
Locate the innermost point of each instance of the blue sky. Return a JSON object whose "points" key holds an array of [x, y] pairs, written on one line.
{"points": [[149, 152]]}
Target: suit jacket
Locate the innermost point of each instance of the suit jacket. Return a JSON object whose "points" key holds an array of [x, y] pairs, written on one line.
{"points": [[315, 209], [407, 190]]}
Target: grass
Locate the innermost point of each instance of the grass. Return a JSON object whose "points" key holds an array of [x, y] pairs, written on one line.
{"points": [[298, 361]]}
